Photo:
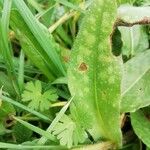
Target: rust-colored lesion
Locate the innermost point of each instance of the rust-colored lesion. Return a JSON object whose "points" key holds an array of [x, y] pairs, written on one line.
{"points": [[83, 67], [66, 59]]}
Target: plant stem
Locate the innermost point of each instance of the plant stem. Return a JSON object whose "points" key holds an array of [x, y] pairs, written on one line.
{"points": [[59, 104], [63, 19]]}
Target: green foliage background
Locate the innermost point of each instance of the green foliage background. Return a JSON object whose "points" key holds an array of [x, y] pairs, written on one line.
{"points": [[74, 74]]}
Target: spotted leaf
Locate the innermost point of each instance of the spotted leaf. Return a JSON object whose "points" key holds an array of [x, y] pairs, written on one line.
{"points": [[94, 74]]}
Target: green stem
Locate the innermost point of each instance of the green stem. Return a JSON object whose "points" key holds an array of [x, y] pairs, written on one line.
{"points": [[59, 104]]}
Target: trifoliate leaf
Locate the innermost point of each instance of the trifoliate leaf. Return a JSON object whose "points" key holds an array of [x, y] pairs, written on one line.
{"points": [[38, 100], [69, 132]]}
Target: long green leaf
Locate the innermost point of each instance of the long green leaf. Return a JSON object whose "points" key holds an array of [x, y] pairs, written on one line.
{"points": [[30, 45], [21, 146], [49, 47], [135, 84], [19, 105], [21, 71], [141, 126], [134, 70], [36, 129], [94, 74], [5, 47], [138, 96]]}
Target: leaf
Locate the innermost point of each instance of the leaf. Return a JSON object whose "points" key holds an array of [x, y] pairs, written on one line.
{"points": [[43, 139], [21, 133], [142, 2], [36, 129], [38, 100], [133, 44], [23, 146], [21, 71], [132, 14], [44, 39], [84, 120], [141, 126], [134, 70], [125, 2], [5, 48], [6, 84], [69, 132], [135, 83], [19, 105], [78, 124], [94, 74], [30, 45], [61, 80], [6, 109], [68, 4], [40, 35], [138, 96], [2, 128], [147, 148]]}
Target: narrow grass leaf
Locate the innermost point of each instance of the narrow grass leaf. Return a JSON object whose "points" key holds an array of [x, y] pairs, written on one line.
{"points": [[5, 47], [17, 104], [21, 71], [38, 130], [61, 80], [21, 146], [30, 45], [43, 38]]}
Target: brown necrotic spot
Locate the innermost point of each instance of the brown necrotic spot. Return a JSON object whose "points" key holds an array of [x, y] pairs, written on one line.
{"points": [[83, 67], [66, 59]]}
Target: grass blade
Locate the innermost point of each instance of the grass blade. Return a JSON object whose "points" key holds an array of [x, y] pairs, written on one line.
{"points": [[5, 47], [38, 130], [30, 45], [21, 146], [21, 71], [15, 103], [43, 38]]}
